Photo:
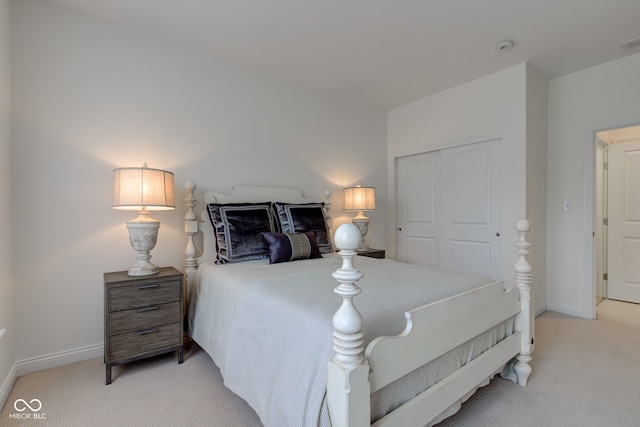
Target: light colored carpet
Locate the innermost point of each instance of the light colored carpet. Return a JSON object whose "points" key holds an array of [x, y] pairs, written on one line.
{"points": [[586, 373], [152, 392]]}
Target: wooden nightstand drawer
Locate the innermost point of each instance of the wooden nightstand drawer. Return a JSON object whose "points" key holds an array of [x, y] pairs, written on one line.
{"points": [[145, 340], [144, 294], [143, 317]]}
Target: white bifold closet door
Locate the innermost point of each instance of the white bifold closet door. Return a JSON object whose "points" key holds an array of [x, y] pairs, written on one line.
{"points": [[448, 209]]}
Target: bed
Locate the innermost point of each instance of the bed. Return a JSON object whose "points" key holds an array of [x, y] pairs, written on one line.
{"points": [[302, 353]]}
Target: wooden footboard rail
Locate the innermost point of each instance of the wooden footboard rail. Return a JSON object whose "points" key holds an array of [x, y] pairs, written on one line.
{"points": [[431, 331]]}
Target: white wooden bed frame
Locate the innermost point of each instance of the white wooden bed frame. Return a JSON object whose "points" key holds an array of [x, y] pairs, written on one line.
{"points": [[432, 330]]}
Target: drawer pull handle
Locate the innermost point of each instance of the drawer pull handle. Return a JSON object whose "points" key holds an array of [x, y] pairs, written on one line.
{"points": [[147, 331], [144, 309], [154, 285]]}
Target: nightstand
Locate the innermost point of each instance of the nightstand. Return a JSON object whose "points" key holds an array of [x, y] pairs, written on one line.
{"points": [[142, 316], [373, 253]]}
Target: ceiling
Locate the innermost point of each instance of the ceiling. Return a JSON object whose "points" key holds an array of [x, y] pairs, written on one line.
{"points": [[386, 53]]}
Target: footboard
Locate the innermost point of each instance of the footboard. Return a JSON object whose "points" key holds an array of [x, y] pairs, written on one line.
{"points": [[431, 331], [447, 324]]}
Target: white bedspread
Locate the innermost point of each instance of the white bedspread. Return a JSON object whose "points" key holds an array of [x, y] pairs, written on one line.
{"points": [[268, 328]]}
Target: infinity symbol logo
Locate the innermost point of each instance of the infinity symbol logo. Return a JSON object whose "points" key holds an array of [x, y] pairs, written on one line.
{"points": [[26, 405]]}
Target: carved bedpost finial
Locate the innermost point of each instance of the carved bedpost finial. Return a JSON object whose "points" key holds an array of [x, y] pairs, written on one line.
{"points": [[523, 227], [190, 229], [347, 322], [524, 319], [348, 389], [327, 208], [191, 201]]}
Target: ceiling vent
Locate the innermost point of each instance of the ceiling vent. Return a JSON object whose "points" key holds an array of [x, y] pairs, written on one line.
{"points": [[631, 43]]}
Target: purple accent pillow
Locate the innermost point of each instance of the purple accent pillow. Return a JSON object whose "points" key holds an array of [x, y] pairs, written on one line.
{"points": [[303, 217], [284, 247]]}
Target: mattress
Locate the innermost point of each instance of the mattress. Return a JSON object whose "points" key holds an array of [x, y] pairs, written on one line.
{"points": [[268, 327]]}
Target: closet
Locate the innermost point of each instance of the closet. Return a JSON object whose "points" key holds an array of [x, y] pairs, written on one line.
{"points": [[448, 209]]}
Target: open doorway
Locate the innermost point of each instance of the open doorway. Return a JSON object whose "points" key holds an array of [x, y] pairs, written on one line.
{"points": [[617, 214]]}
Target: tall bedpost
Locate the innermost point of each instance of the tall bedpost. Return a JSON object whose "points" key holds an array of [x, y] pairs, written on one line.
{"points": [[327, 208], [348, 390], [190, 229], [525, 322]]}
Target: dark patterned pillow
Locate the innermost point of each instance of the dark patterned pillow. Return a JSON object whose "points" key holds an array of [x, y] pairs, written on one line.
{"points": [[299, 218], [285, 247], [237, 228]]}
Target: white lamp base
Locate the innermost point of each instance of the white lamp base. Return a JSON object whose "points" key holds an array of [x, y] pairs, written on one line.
{"points": [[362, 222], [143, 234]]}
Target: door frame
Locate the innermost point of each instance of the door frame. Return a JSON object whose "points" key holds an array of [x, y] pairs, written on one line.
{"points": [[590, 259], [601, 208]]}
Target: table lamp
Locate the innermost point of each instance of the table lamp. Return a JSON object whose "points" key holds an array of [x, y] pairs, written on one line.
{"points": [[143, 189], [360, 199]]}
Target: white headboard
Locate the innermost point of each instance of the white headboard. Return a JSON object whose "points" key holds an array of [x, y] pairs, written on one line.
{"points": [[200, 237]]}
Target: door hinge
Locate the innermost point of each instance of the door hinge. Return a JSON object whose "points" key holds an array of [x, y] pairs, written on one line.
{"points": [[606, 165], [605, 276], [605, 221]]}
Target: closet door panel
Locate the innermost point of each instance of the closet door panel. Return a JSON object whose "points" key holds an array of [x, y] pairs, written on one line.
{"points": [[471, 257], [417, 190], [470, 207], [469, 179], [421, 251]]}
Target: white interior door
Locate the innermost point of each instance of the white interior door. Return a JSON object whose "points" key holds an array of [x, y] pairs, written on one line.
{"points": [[417, 192], [624, 222], [448, 209], [471, 226]]}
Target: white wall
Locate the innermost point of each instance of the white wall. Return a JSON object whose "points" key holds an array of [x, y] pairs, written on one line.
{"points": [[537, 124], [7, 352], [495, 106], [598, 98], [90, 96]]}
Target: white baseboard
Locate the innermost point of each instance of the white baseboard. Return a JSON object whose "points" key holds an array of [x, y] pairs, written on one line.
{"points": [[53, 360], [7, 385], [564, 309], [540, 308]]}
